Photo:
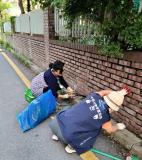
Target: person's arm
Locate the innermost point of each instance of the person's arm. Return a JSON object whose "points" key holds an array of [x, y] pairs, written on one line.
{"points": [[110, 128], [64, 96], [104, 92], [63, 82]]}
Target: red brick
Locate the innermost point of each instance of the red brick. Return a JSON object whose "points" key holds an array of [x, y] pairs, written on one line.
{"points": [[137, 97], [130, 111], [111, 70], [113, 60], [139, 116], [115, 77], [139, 73], [128, 82], [107, 64], [119, 84], [101, 67], [117, 67], [88, 54], [135, 90], [100, 76], [139, 122], [135, 78], [114, 87], [105, 83], [122, 74], [138, 85], [137, 65], [106, 74], [94, 65], [101, 86], [129, 70], [109, 80], [124, 63], [97, 71]]}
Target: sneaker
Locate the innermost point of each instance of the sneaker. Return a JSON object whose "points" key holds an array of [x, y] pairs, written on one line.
{"points": [[55, 138], [69, 149]]}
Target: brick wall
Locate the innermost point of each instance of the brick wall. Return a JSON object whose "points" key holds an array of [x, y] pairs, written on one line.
{"points": [[86, 71], [31, 46]]}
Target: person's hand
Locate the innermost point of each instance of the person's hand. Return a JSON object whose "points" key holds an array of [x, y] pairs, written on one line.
{"points": [[120, 126], [70, 90], [65, 96]]}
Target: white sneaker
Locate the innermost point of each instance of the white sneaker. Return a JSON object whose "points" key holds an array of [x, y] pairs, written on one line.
{"points": [[69, 149], [55, 138]]}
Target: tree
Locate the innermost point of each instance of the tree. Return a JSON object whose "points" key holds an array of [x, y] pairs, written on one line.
{"points": [[20, 3], [118, 22], [3, 7], [28, 5]]}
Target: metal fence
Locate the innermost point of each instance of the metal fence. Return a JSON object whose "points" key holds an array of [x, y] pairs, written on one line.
{"points": [[82, 30], [7, 27], [31, 22]]}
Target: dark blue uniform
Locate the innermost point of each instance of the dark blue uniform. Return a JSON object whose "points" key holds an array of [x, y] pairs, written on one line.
{"points": [[81, 124]]}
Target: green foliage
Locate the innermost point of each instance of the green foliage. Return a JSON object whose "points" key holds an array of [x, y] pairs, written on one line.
{"points": [[43, 3], [131, 35], [4, 5], [22, 59], [4, 16], [111, 49], [12, 20], [119, 23]]}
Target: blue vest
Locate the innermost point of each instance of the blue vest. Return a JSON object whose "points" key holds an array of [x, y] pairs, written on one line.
{"points": [[81, 124]]}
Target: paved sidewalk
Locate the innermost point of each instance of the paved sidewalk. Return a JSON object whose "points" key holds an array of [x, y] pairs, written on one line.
{"points": [[125, 138]]}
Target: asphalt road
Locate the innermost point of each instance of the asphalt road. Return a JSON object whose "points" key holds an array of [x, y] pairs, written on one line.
{"points": [[35, 144]]}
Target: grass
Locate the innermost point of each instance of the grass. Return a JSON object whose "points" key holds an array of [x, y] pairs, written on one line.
{"points": [[21, 57]]}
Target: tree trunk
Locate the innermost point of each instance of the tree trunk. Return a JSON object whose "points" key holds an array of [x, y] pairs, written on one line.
{"points": [[28, 6], [20, 3]]}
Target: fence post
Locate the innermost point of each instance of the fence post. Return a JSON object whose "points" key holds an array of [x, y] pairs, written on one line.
{"points": [[49, 32]]}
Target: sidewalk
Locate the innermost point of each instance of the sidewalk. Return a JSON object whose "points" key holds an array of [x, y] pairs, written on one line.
{"points": [[124, 138]]}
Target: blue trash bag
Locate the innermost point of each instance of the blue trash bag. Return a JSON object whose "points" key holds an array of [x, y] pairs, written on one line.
{"points": [[37, 111]]}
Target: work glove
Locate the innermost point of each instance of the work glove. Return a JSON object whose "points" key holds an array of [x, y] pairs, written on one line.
{"points": [[70, 90], [120, 126], [65, 96]]}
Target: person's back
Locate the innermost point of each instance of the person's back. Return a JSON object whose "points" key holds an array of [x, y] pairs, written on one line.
{"points": [[81, 124], [50, 79], [37, 84]]}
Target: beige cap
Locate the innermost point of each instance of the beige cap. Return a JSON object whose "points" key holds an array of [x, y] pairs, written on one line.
{"points": [[115, 99]]}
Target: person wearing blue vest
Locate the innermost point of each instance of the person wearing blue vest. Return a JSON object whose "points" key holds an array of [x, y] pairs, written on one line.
{"points": [[79, 126], [51, 79]]}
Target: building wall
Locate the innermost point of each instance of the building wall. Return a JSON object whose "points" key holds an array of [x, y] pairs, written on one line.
{"points": [[87, 71]]}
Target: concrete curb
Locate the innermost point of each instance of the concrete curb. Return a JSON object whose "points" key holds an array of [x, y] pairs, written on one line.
{"points": [[130, 141]]}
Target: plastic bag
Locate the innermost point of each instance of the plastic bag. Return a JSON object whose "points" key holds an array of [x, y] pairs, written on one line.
{"points": [[37, 111]]}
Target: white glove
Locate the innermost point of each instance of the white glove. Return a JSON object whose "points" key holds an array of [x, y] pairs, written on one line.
{"points": [[65, 96], [120, 126], [70, 90]]}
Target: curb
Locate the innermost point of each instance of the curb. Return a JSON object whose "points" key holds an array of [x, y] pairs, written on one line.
{"points": [[130, 141]]}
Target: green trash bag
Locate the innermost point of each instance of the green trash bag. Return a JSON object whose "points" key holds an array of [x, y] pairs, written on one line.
{"points": [[29, 97]]}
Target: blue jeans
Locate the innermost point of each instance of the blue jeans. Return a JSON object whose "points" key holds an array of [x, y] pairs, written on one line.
{"points": [[56, 130]]}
